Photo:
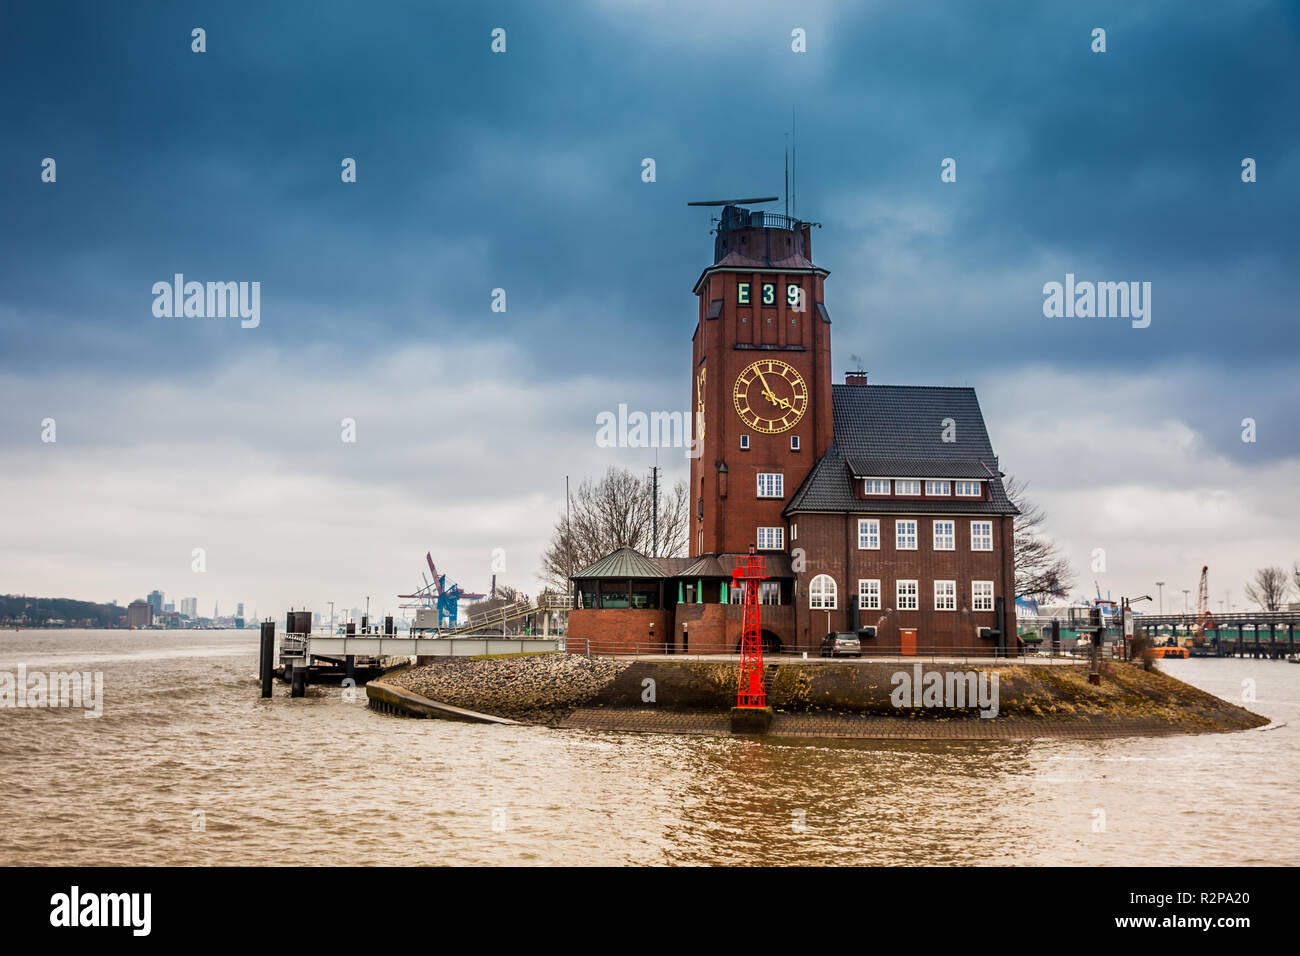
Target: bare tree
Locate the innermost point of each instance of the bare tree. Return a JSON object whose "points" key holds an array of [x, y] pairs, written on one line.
{"points": [[1041, 570], [505, 595], [615, 512], [1269, 589]]}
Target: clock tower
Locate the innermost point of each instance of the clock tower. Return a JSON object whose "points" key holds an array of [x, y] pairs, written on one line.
{"points": [[760, 381]]}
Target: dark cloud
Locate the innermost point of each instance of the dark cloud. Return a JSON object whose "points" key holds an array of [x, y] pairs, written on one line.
{"points": [[522, 172]]}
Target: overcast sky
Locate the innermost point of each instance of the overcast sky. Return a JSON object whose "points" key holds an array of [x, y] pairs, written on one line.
{"points": [[522, 171]]}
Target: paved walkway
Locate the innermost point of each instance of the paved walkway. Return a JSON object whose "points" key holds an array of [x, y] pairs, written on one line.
{"points": [[865, 728]]}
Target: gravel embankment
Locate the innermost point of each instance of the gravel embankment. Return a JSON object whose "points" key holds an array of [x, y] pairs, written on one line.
{"points": [[541, 688]]}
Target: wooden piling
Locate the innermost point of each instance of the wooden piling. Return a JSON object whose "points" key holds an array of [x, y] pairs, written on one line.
{"points": [[298, 688], [267, 659]]}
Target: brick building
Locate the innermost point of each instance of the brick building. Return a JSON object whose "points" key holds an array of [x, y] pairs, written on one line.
{"points": [[879, 508], [139, 613]]}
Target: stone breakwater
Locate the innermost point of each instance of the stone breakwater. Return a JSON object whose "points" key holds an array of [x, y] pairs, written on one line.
{"points": [[542, 688], [854, 697]]}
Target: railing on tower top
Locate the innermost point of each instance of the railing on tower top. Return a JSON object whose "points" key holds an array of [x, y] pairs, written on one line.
{"points": [[737, 218]]}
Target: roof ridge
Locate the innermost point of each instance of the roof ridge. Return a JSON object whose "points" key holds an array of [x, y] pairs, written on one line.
{"points": [[953, 388]]}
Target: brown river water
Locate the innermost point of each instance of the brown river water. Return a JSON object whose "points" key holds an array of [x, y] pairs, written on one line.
{"points": [[188, 766]]}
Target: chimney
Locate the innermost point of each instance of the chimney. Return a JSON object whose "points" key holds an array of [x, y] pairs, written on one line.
{"points": [[855, 378]]}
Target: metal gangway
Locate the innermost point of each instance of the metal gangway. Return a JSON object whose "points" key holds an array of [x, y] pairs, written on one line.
{"points": [[545, 604]]}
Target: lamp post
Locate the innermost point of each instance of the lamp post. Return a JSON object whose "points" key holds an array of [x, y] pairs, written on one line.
{"points": [[1161, 586], [1125, 619]]}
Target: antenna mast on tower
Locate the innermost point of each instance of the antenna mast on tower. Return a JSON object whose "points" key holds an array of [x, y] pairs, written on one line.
{"points": [[794, 155]]}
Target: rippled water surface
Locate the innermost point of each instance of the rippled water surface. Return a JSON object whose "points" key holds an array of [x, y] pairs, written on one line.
{"points": [[323, 780]]}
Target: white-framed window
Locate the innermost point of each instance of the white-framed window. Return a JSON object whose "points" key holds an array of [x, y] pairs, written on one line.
{"points": [[822, 593], [869, 594], [770, 539], [744, 443], [945, 535], [981, 598], [794, 532], [794, 442], [869, 534], [699, 548], [981, 535], [969, 489], [907, 486], [771, 484], [905, 534], [938, 488], [945, 595], [905, 594], [876, 486]]}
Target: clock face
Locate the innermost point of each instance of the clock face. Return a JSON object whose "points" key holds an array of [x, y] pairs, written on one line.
{"points": [[770, 396]]}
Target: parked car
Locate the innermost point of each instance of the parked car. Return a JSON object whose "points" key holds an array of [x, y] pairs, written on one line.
{"points": [[841, 644]]}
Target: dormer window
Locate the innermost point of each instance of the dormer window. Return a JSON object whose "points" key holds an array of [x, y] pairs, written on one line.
{"points": [[876, 486], [907, 486], [941, 488], [969, 489]]}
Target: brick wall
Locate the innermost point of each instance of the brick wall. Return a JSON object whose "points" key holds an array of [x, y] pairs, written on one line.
{"points": [[715, 628], [617, 630], [830, 543], [710, 629], [723, 347]]}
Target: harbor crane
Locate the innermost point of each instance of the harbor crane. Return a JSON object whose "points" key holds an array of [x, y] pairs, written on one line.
{"points": [[437, 593], [1204, 618]]}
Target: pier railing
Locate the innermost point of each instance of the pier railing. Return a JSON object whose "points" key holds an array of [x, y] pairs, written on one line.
{"points": [[983, 654]]}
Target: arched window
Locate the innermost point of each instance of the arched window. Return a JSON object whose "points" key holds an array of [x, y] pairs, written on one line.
{"points": [[822, 593]]}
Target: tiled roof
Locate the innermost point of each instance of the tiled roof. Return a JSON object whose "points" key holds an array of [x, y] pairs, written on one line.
{"points": [[630, 563], [905, 424], [706, 566], [670, 567], [777, 565], [920, 468]]}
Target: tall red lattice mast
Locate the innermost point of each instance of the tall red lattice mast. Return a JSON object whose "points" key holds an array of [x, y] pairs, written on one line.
{"points": [[748, 573]]}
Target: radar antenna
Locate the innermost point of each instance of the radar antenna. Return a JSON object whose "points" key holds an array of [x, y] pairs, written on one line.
{"points": [[733, 202]]}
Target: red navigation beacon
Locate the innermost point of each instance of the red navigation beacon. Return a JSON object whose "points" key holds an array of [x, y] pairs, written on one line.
{"points": [[748, 573]]}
